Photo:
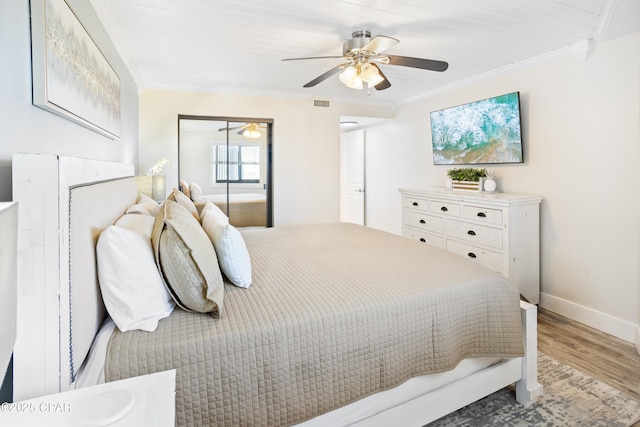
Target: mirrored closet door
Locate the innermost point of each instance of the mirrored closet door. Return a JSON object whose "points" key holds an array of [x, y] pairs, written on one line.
{"points": [[229, 159]]}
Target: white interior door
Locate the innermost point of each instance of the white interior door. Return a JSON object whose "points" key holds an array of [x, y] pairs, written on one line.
{"points": [[352, 189]]}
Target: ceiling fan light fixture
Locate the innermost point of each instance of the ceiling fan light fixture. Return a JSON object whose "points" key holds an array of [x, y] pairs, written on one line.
{"points": [[353, 76], [378, 79], [368, 72], [348, 75], [350, 78], [357, 83], [251, 132]]}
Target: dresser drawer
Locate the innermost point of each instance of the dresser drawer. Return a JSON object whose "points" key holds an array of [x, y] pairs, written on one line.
{"points": [[490, 216], [415, 203], [490, 259], [445, 208], [424, 222], [475, 233], [423, 236]]}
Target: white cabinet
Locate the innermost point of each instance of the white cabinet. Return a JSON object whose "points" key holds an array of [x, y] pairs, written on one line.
{"points": [[498, 230]]}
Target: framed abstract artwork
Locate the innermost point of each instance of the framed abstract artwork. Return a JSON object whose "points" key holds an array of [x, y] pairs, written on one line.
{"points": [[71, 76]]}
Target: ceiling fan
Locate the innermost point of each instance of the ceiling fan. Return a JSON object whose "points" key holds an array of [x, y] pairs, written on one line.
{"points": [[249, 130], [362, 55]]}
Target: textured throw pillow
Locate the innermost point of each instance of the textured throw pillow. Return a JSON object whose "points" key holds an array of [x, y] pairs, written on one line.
{"points": [[131, 287], [187, 261], [179, 197], [230, 248], [145, 205], [196, 192]]}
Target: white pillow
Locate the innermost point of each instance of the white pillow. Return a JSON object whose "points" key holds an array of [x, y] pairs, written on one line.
{"points": [[231, 250], [145, 205], [131, 286], [196, 192], [214, 210], [142, 224]]}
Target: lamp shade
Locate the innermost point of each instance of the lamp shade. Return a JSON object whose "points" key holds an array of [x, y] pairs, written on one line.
{"points": [[154, 186]]}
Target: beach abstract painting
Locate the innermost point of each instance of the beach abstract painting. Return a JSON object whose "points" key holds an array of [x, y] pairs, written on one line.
{"points": [[480, 132]]}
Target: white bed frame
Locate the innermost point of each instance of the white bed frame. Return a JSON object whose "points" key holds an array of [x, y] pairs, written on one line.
{"points": [[54, 337], [42, 361]]}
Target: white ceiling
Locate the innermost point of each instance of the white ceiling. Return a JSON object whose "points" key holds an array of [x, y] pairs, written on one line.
{"points": [[236, 46]]}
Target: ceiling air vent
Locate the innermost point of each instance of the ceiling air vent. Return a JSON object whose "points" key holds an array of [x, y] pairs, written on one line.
{"points": [[320, 103]]}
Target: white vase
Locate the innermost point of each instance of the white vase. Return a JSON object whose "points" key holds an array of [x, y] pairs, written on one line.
{"points": [[449, 183], [489, 185]]}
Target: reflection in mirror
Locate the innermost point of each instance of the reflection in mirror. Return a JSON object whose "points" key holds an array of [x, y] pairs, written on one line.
{"points": [[226, 161]]}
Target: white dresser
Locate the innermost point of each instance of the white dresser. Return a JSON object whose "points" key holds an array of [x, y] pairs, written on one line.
{"points": [[498, 230]]}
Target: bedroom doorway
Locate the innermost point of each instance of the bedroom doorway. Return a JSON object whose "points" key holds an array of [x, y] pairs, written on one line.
{"points": [[352, 176], [229, 160]]}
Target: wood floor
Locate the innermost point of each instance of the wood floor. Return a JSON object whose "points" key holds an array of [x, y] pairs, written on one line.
{"points": [[604, 357]]}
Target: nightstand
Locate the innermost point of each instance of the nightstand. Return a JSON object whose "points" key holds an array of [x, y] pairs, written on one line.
{"points": [[147, 400]]}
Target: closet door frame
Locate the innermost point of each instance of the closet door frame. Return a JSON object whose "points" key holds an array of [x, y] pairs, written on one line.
{"points": [[268, 184]]}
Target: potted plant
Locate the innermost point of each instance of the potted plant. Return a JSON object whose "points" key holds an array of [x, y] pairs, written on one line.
{"points": [[467, 178]]}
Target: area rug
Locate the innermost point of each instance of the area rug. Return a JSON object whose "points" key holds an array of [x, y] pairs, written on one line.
{"points": [[570, 398]]}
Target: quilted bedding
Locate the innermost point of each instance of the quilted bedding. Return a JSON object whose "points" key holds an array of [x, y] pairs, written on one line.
{"points": [[336, 312]]}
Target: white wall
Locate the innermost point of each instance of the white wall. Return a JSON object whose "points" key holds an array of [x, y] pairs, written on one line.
{"points": [[306, 141], [29, 129], [582, 147]]}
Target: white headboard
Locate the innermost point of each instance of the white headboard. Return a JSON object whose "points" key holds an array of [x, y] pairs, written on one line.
{"points": [[59, 304]]}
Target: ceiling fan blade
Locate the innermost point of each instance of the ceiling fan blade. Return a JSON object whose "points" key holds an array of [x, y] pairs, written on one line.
{"points": [[232, 128], [425, 64], [385, 84], [313, 57], [380, 43], [326, 75]]}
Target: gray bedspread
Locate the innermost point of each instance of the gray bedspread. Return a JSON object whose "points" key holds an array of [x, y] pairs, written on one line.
{"points": [[336, 312]]}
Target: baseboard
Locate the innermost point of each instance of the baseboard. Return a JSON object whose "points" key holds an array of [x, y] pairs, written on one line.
{"points": [[617, 327]]}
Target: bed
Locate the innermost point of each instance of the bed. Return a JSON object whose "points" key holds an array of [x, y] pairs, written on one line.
{"points": [[335, 376], [245, 209]]}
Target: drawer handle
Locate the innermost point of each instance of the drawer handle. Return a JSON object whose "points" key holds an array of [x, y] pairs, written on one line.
{"points": [[444, 209], [471, 233], [471, 255], [422, 221], [482, 214], [422, 240], [415, 204]]}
